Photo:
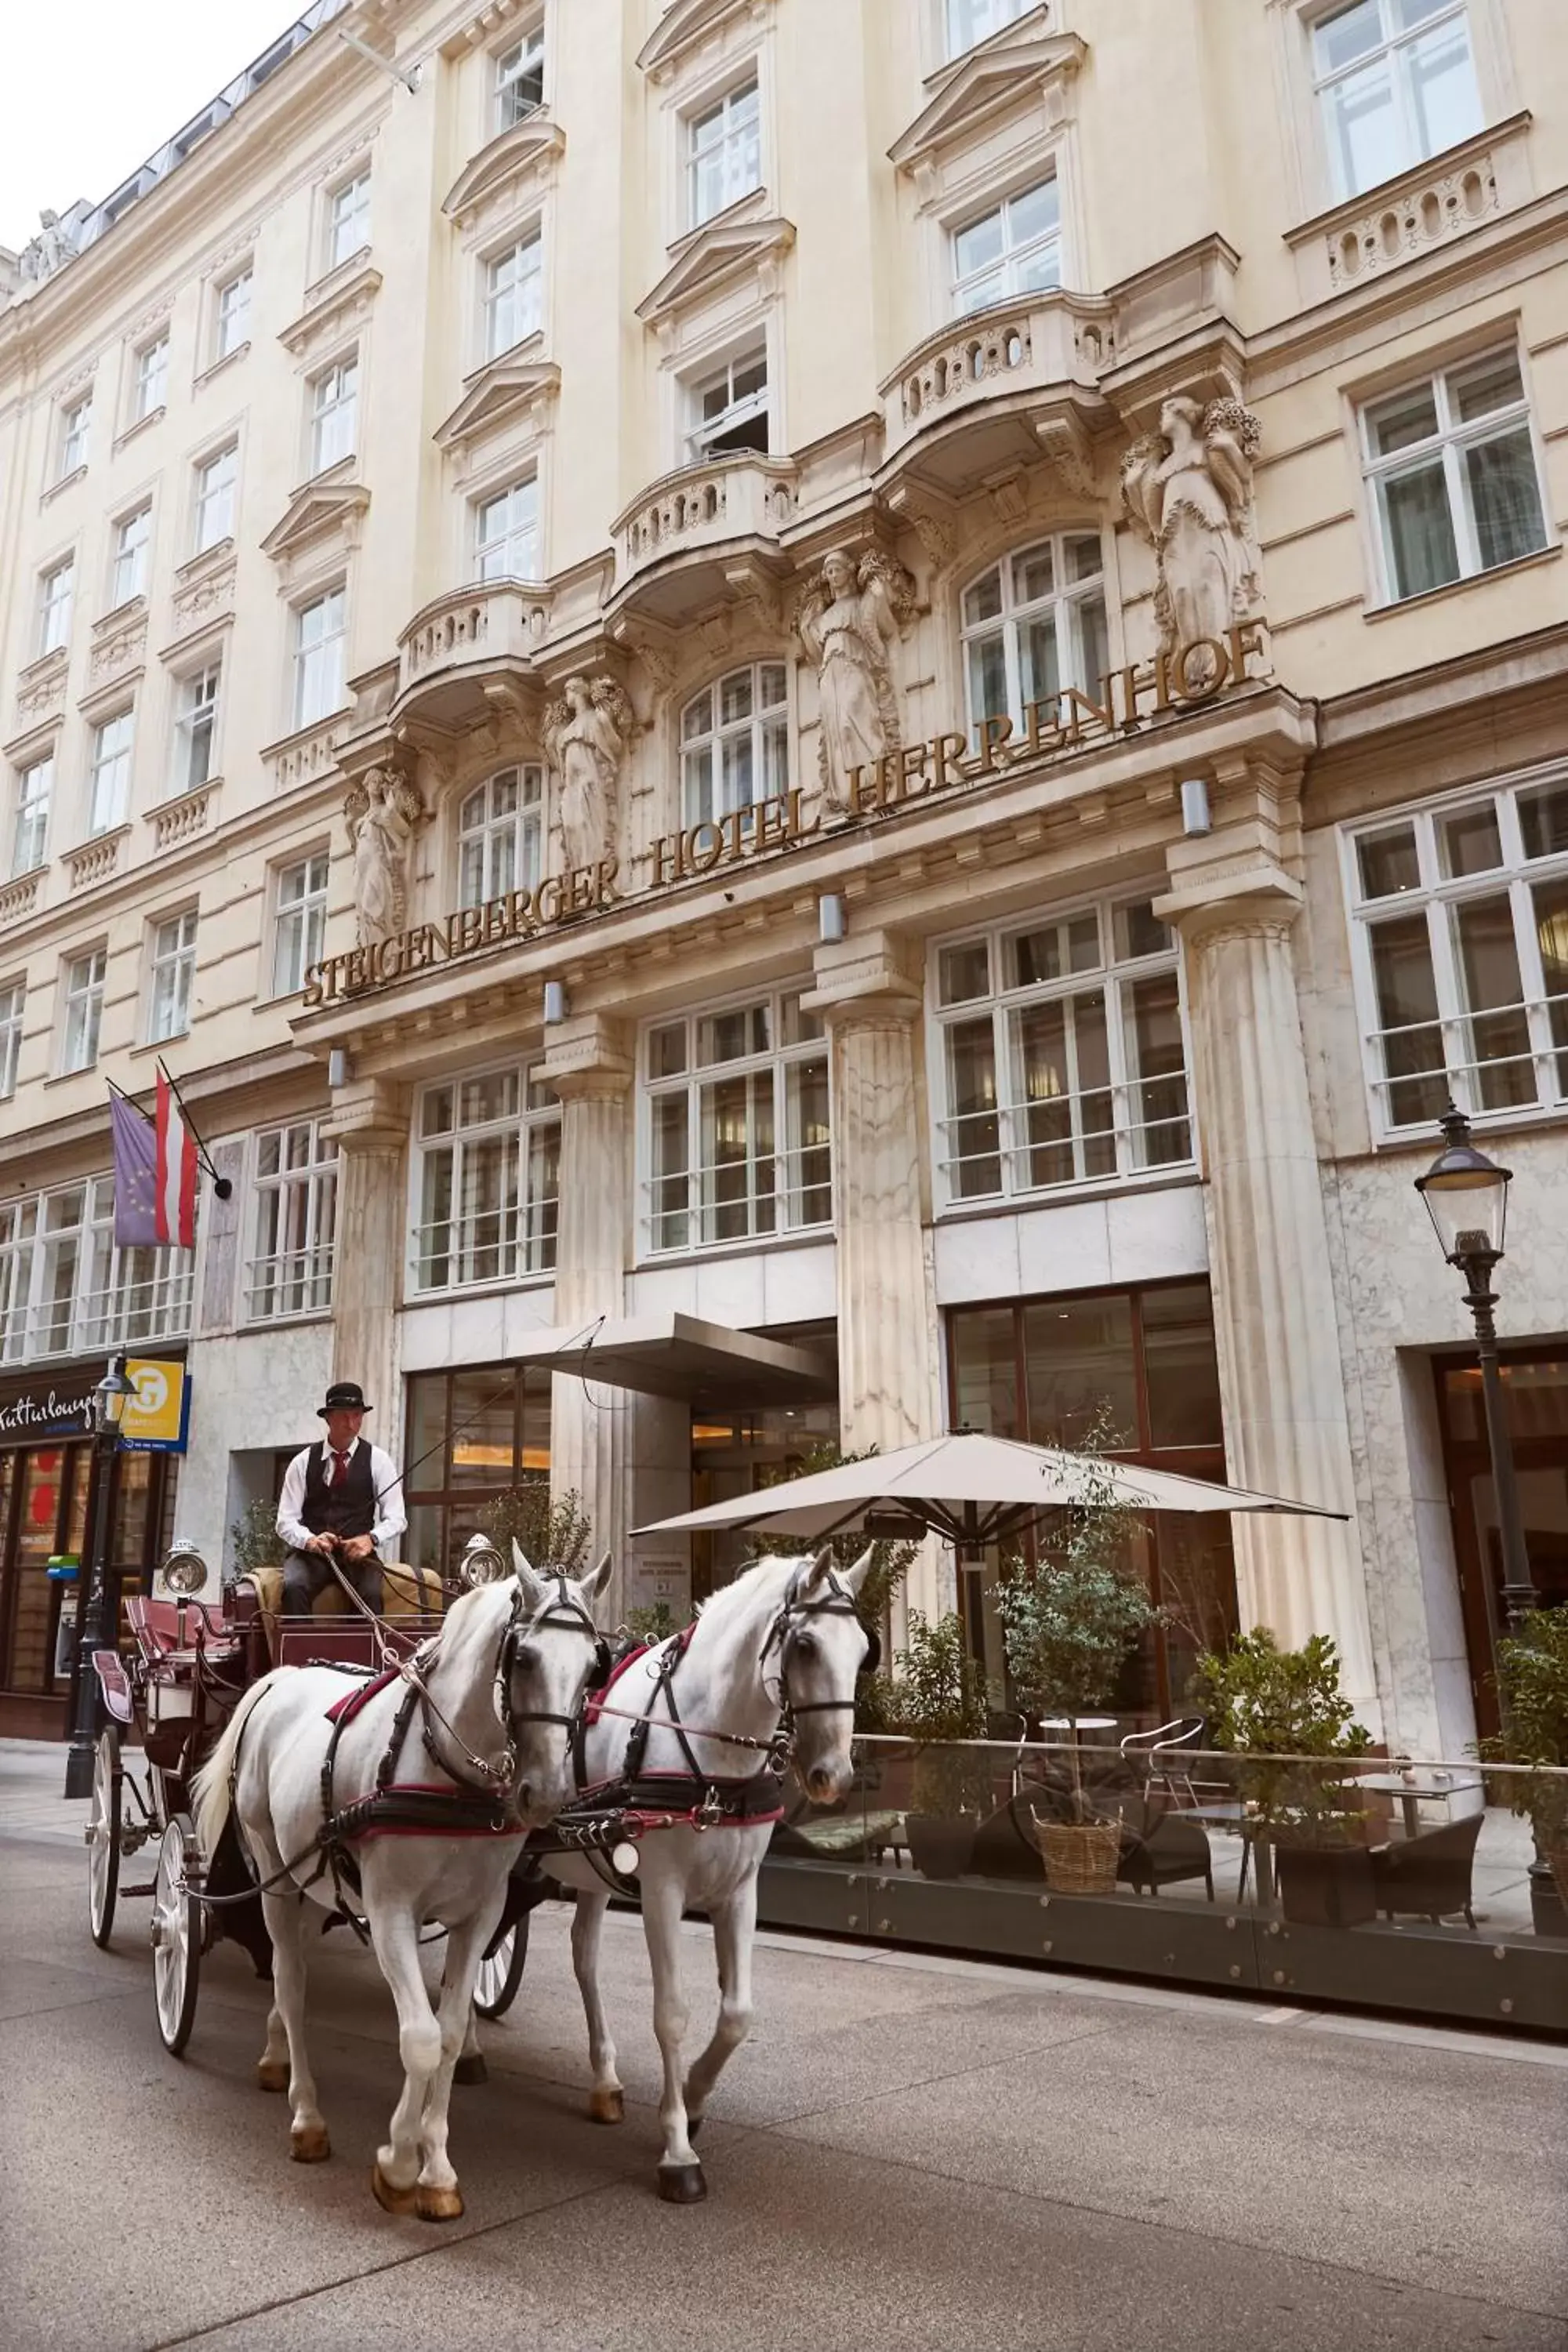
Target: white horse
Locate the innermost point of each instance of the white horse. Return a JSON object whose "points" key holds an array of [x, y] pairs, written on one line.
{"points": [[484, 1716], [783, 1635]]}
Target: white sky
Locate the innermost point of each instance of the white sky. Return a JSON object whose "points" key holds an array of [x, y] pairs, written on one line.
{"points": [[91, 86]]}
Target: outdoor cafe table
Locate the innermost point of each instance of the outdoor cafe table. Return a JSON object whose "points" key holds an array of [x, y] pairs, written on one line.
{"points": [[1410, 1787]]}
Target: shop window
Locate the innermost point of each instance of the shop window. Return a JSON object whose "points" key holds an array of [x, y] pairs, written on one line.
{"points": [[1032, 627], [738, 1136], [1062, 1054], [471, 1435], [488, 1179], [291, 1270], [1459, 941], [1395, 82], [1453, 480]]}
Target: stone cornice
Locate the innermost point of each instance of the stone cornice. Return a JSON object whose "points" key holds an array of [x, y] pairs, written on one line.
{"points": [[535, 142], [734, 241], [334, 306], [987, 81], [505, 387], [683, 24], [327, 505]]}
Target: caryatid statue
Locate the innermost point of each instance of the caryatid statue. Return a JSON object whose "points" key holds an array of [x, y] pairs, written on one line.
{"points": [[1187, 491], [847, 620], [382, 810], [585, 734]]}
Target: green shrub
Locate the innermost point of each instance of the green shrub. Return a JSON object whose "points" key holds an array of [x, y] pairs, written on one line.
{"points": [[556, 1534], [1533, 1692]]}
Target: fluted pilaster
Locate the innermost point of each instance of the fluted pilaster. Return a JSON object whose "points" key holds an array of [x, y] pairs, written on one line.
{"points": [[369, 1124]]}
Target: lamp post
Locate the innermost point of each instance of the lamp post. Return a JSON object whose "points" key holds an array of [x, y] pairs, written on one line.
{"points": [[96, 1630], [1467, 1197]]}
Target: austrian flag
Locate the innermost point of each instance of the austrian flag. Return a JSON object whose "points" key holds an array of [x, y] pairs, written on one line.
{"points": [[154, 1174]]}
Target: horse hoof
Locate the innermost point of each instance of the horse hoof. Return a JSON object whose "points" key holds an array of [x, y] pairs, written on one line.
{"points": [[390, 2199], [438, 2204], [311, 2144], [607, 2107], [471, 2068], [681, 2184], [272, 2073]]}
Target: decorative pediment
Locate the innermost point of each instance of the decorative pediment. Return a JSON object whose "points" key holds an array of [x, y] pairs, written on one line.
{"points": [[986, 81], [334, 306], [684, 25], [507, 389], [324, 506], [732, 242], [530, 145]]}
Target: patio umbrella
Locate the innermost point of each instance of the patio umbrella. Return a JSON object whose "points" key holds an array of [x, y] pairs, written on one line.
{"points": [[970, 1488]]}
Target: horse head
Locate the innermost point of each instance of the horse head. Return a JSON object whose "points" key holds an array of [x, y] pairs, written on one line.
{"points": [[823, 1649], [547, 1656]]}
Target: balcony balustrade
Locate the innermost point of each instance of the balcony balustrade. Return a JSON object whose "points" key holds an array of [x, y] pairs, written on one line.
{"points": [[1044, 344], [729, 501], [486, 625]]}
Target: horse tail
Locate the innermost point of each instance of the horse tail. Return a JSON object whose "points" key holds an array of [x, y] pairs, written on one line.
{"points": [[210, 1789]]}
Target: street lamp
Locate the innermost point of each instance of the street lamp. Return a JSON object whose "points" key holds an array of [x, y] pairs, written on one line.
{"points": [[98, 1629], [1467, 1197]]}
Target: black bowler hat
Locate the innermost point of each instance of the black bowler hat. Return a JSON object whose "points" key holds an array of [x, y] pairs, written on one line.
{"points": [[343, 1396]]}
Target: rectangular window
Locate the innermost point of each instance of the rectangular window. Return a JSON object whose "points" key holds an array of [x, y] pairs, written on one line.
{"points": [[506, 533], [300, 928], [123, 1294], [468, 1436], [319, 657], [84, 977], [290, 1268], [1015, 248], [520, 79], [132, 539], [1396, 83], [1460, 931], [729, 410], [501, 828], [738, 1140], [172, 972], [348, 220], [232, 317], [108, 796], [152, 378], [334, 403], [29, 841], [734, 743], [18, 1230], [196, 728], [971, 21], [76, 422], [12, 997], [1062, 1054], [1452, 477], [216, 478], [55, 592], [724, 153], [489, 1181], [514, 295]]}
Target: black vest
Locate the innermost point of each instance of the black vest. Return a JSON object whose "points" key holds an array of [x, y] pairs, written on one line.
{"points": [[347, 1508]]}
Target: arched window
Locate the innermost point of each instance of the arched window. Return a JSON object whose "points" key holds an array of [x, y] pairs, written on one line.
{"points": [[1033, 624], [734, 743], [500, 824]]}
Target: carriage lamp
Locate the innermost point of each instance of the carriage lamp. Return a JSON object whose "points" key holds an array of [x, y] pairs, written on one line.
{"points": [[110, 1398], [184, 1570], [1467, 1198], [97, 1626], [482, 1563]]}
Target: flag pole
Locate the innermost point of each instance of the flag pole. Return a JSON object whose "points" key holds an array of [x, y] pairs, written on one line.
{"points": [[222, 1187]]}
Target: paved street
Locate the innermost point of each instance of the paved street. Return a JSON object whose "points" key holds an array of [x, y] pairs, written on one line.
{"points": [[909, 2153]]}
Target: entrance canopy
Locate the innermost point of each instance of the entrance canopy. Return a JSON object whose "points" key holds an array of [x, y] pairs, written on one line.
{"points": [[972, 1490], [674, 1355]]}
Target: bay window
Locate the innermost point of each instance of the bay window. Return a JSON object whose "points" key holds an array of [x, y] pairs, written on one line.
{"points": [[487, 1179], [737, 1124]]}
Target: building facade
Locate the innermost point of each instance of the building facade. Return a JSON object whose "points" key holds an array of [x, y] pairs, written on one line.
{"points": [[804, 719]]}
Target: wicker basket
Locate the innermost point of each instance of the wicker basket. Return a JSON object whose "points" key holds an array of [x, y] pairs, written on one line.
{"points": [[1081, 1857]]}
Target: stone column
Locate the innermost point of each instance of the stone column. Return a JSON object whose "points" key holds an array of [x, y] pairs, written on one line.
{"points": [[369, 1122], [868, 989], [1282, 1382]]}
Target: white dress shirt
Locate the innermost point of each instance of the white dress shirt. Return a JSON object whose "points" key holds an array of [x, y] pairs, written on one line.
{"points": [[385, 1479]]}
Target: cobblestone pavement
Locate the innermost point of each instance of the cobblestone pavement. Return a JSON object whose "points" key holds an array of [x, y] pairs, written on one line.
{"points": [[911, 2153]]}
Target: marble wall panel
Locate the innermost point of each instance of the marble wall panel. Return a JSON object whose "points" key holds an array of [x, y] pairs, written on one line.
{"points": [[976, 1257], [1156, 1236], [1066, 1247]]}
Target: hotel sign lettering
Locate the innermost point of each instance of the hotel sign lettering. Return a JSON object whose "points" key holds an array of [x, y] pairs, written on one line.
{"points": [[1060, 724]]}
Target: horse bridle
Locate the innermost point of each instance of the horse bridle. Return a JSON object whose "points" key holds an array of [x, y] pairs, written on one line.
{"points": [[837, 1601], [558, 1609]]}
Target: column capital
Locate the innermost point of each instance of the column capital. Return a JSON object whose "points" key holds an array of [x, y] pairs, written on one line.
{"points": [[871, 979], [368, 1115], [588, 1056], [1248, 900]]}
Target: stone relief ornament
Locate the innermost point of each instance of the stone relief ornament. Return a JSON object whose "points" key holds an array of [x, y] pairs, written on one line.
{"points": [[585, 734], [1187, 491], [847, 620], [382, 812]]}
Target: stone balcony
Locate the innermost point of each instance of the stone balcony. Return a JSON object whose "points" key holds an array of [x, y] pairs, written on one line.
{"points": [[488, 626], [686, 525], [97, 860], [1423, 210], [179, 821], [21, 897], [982, 391]]}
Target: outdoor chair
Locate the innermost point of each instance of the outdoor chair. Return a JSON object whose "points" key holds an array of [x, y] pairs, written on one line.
{"points": [[1430, 1874], [1158, 1755]]}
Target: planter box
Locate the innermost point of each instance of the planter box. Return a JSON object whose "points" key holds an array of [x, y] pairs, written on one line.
{"points": [[1326, 1886]]}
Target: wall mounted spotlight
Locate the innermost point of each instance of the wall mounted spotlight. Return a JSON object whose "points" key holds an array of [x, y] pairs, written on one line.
{"points": [[830, 919], [338, 1067], [554, 1003], [1196, 806]]}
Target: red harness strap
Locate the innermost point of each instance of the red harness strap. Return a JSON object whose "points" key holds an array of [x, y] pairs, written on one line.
{"points": [[343, 1710]]}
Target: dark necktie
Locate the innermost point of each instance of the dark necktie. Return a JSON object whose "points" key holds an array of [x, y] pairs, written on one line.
{"points": [[340, 1465]]}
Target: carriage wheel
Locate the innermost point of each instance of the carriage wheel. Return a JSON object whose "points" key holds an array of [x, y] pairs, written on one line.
{"points": [[103, 1837], [495, 1987], [176, 1934]]}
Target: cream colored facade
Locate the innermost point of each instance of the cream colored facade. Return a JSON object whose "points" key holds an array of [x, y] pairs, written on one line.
{"points": [[551, 301]]}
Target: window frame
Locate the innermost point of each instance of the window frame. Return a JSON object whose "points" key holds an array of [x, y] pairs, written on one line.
{"points": [[526, 289], [188, 723], [103, 758], [1392, 46], [225, 343], [526, 1228], [1063, 600], [316, 600], [131, 561], [76, 425], [482, 503], [89, 995], [1000, 201], [1114, 976], [716, 102], [336, 218], [13, 1006], [700, 437], [765, 719], [528, 43], [527, 819], [54, 633], [171, 974], [308, 910], [778, 1058], [326, 411], [95, 1308], [150, 377], [1436, 895], [306, 1194], [32, 810], [1452, 437], [951, 51], [202, 495]]}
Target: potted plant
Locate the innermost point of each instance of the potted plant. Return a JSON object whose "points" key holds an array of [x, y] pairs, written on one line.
{"points": [[1265, 1702], [1533, 1691], [552, 1534], [1068, 1623], [935, 1696]]}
